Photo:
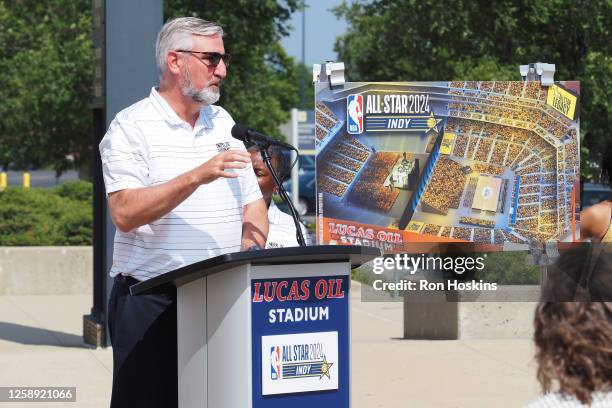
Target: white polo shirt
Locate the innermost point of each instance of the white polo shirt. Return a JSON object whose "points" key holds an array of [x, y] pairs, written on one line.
{"points": [[148, 144], [282, 229]]}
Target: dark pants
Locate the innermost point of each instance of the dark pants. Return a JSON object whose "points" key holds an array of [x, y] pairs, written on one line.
{"points": [[143, 335]]}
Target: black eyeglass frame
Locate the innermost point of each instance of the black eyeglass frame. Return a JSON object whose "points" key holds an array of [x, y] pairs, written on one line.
{"points": [[213, 57]]}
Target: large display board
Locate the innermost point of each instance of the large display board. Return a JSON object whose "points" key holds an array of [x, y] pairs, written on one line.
{"points": [[495, 163]]}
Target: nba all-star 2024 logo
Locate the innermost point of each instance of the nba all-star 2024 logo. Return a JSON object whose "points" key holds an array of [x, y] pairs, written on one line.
{"points": [[299, 361], [373, 112]]}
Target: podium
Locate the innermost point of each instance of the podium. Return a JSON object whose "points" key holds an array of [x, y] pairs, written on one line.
{"points": [[267, 328]]}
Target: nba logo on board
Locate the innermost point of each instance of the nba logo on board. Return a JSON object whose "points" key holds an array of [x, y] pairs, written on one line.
{"points": [[354, 114], [275, 363]]}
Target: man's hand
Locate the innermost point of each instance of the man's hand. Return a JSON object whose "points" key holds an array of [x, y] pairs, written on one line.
{"points": [[216, 166], [131, 208]]}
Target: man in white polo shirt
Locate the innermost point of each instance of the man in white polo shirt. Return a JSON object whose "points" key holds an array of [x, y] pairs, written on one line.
{"points": [[180, 189]]}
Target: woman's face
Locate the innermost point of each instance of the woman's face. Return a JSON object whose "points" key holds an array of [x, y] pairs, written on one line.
{"points": [[264, 177]]}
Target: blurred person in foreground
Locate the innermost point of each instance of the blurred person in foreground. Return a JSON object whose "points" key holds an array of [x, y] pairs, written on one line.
{"points": [[180, 190], [282, 228], [574, 354], [583, 271], [596, 221]]}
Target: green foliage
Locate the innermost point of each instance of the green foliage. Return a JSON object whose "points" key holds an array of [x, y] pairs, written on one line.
{"points": [[364, 275], [45, 82], [426, 40], [76, 190], [60, 216], [509, 268], [262, 83], [46, 73]]}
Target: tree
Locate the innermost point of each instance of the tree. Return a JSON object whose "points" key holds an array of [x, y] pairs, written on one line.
{"points": [[263, 82], [426, 40], [45, 82], [46, 73]]}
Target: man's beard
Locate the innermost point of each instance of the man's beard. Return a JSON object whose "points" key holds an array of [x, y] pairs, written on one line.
{"points": [[206, 96]]}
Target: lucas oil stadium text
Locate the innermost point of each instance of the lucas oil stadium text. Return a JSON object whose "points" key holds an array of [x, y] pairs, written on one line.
{"points": [[309, 291], [298, 314]]}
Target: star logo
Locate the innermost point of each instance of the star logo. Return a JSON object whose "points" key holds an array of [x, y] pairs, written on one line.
{"points": [[325, 367], [432, 122]]}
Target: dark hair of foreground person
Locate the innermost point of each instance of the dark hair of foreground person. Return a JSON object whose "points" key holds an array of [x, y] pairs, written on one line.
{"points": [[574, 347]]}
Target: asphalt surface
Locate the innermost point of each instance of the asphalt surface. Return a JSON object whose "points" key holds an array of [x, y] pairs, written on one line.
{"points": [[40, 178]]}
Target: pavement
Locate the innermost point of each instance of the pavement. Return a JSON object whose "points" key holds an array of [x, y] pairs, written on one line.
{"points": [[40, 178], [41, 345]]}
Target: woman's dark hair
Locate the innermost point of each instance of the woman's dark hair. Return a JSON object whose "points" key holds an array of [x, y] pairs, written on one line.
{"points": [[574, 347], [606, 167]]}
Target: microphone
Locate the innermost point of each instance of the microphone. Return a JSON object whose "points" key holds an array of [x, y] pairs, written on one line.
{"points": [[248, 135]]}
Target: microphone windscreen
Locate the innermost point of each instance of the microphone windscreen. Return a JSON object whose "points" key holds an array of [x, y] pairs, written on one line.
{"points": [[240, 132]]}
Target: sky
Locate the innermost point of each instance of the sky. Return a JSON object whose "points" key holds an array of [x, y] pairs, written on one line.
{"points": [[322, 27]]}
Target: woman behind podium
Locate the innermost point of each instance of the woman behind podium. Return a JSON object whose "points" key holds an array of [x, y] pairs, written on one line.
{"points": [[282, 231]]}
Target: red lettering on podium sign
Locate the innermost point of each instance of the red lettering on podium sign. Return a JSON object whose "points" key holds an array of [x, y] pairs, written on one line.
{"points": [[294, 290]]}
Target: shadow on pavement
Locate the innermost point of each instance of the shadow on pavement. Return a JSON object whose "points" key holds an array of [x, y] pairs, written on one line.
{"points": [[19, 333]]}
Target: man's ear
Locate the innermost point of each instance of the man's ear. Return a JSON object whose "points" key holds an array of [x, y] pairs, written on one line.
{"points": [[173, 62]]}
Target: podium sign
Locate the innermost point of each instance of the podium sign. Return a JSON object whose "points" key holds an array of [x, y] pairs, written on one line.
{"points": [[300, 341]]}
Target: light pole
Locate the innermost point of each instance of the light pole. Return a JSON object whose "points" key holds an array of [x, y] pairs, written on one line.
{"points": [[302, 72]]}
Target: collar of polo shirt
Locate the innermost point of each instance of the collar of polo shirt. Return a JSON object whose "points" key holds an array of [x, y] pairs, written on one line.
{"points": [[170, 116]]}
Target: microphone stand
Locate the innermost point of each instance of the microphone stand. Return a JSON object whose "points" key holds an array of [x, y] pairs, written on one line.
{"points": [[298, 227]]}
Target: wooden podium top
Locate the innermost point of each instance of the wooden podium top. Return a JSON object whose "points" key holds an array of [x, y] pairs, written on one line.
{"points": [[356, 255]]}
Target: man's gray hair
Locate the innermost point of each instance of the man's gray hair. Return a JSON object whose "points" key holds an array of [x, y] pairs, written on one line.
{"points": [[177, 34]]}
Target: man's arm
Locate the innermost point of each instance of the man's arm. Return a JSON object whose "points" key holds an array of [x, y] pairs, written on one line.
{"points": [[255, 225], [131, 208]]}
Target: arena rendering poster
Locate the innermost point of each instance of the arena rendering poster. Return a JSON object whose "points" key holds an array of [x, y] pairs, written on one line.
{"points": [[494, 163]]}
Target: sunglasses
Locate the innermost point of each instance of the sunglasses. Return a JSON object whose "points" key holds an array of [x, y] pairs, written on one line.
{"points": [[210, 59]]}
